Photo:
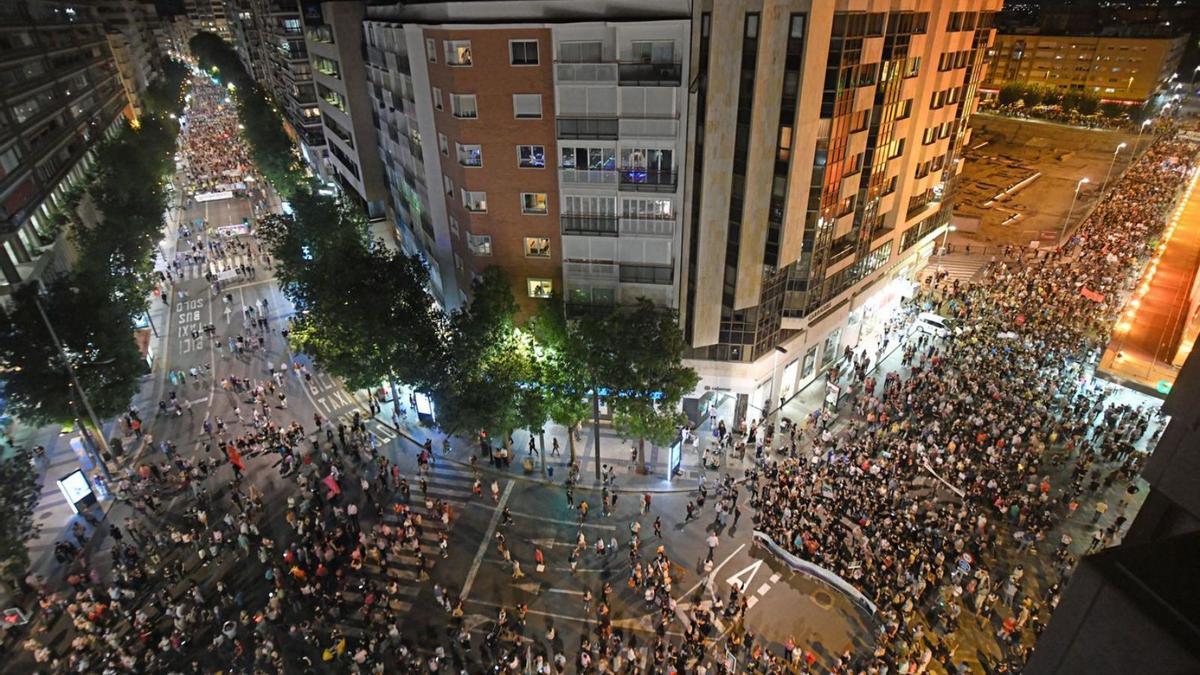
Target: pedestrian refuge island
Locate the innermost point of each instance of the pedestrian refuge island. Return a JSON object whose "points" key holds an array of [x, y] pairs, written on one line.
{"points": [[815, 571]]}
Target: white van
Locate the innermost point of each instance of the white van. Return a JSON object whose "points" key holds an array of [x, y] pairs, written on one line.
{"points": [[933, 324]]}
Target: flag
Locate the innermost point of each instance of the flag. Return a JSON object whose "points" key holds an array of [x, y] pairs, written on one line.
{"points": [[1092, 295]]}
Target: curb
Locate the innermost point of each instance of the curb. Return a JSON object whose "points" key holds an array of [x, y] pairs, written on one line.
{"points": [[487, 469]]}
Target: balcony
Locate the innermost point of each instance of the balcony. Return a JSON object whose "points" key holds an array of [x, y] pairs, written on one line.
{"points": [[649, 127], [596, 128], [643, 180], [586, 73], [591, 270], [647, 274], [601, 226], [650, 74], [587, 176], [648, 227]]}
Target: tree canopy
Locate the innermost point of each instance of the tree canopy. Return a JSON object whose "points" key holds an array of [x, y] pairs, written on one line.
{"points": [[18, 496]]}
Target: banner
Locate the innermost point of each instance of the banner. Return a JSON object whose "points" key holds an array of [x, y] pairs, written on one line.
{"points": [[1092, 295], [815, 571], [213, 196]]}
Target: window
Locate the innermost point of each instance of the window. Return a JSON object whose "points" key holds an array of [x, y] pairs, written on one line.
{"points": [[531, 156], [443, 144], [656, 51], [431, 49], [523, 52], [860, 120], [469, 155], [597, 159], [454, 227], [537, 247], [580, 52], [458, 52], [527, 106], [8, 161], [903, 109], [539, 288], [448, 184], [533, 202], [437, 98], [475, 202], [653, 209], [479, 244], [463, 106]]}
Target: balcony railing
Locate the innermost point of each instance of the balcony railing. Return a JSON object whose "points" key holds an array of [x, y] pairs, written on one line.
{"points": [[648, 227], [605, 271], [649, 127], [586, 72], [599, 128], [587, 176], [651, 74], [646, 274], [644, 180], [603, 226]]}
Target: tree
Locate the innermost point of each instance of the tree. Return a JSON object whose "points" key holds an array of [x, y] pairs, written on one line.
{"points": [[1033, 94], [487, 362], [645, 420], [562, 369], [1088, 103], [363, 310], [96, 331], [1010, 93], [638, 356], [18, 496], [165, 94]]}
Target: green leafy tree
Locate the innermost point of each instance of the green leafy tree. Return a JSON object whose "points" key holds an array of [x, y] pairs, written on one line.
{"points": [[363, 311], [487, 362], [1010, 93], [1033, 94], [165, 95], [1088, 103], [96, 331], [18, 497], [562, 368], [642, 419], [638, 355]]}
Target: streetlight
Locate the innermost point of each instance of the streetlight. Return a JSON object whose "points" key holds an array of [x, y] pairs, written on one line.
{"points": [[1078, 187], [1145, 123], [1108, 175], [1194, 73]]}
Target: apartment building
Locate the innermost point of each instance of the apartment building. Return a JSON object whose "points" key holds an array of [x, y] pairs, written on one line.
{"points": [[335, 50], [130, 31], [825, 149], [60, 93], [209, 16], [268, 36], [545, 138], [1126, 69]]}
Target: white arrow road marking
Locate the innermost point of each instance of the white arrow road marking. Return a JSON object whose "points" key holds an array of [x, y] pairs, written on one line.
{"points": [[741, 585]]}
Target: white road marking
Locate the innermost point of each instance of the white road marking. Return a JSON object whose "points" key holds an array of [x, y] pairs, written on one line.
{"points": [[741, 584], [565, 591], [752, 601], [486, 541], [776, 577], [762, 590], [560, 521]]}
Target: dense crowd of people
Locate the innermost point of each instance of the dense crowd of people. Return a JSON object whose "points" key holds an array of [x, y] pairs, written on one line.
{"points": [[984, 441], [211, 149], [263, 550]]}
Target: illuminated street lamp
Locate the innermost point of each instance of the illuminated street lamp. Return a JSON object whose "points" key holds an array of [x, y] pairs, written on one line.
{"points": [[1078, 186], [1108, 175], [1145, 123]]}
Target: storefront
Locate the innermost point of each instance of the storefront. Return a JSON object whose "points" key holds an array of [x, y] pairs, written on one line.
{"points": [[865, 327]]}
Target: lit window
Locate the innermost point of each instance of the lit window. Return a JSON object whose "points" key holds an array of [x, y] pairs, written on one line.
{"points": [[531, 156], [469, 155], [458, 52], [431, 49], [523, 52], [533, 202], [443, 144], [437, 98], [479, 244], [539, 288], [537, 247], [475, 202]]}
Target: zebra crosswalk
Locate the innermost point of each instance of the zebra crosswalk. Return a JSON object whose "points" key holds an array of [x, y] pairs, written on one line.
{"points": [[959, 267], [446, 484], [224, 268]]}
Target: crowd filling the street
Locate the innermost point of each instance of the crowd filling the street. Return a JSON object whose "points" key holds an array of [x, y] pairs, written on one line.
{"points": [[266, 539]]}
